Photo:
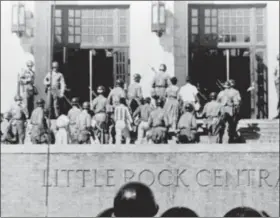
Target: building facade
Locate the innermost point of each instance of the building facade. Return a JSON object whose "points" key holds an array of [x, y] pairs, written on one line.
{"points": [[209, 41]]}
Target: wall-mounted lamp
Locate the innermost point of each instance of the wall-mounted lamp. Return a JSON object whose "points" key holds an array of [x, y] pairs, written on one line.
{"points": [[158, 17], [18, 18]]}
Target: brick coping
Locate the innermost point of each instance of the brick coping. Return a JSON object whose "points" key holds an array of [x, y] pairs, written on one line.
{"points": [[132, 148]]}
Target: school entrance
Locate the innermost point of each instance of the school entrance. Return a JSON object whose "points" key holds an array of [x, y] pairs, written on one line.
{"points": [[228, 42], [91, 45]]}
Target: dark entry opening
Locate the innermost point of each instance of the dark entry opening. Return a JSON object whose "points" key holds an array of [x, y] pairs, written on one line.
{"points": [[78, 70], [208, 67]]}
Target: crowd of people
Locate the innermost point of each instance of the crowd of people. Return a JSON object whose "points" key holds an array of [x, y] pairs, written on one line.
{"points": [[135, 199], [124, 116]]}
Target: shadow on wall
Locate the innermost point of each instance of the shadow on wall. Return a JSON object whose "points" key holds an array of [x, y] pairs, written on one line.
{"points": [[167, 39], [27, 39]]}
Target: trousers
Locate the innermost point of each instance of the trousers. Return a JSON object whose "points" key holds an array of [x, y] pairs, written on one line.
{"points": [[122, 131]]}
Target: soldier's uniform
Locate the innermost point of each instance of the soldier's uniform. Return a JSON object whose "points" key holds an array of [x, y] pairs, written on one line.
{"points": [[230, 99], [158, 124], [116, 93], [73, 114], [56, 92], [134, 93], [160, 83], [39, 129], [84, 125], [19, 118], [143, 111], [214, 114], [100, 116], [28, 89], [8, 136], [187, 127]]}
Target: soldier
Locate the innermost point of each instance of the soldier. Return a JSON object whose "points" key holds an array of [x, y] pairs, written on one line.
{"points": [[116, 93], [143, 111], [172, 107], [189, 94], [39, 131], [19, 117], [158, 124], [73, 114], [62, 134], [230, 99], [123, 121], [28, 89], [8, 136], [100, 116], [214, 114], [84, 125], [55, 88], [135, 93], [135, 199], [187, 127], [160, 82]]}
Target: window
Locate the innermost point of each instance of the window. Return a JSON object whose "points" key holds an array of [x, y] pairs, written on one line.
{"points": [[58, 26], [259, 14], [210, 25], [234, 25], [74, 27], [194, 26]]}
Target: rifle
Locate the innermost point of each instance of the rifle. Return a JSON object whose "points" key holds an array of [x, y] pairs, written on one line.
{"points": [[93, 93], [219, 84]]}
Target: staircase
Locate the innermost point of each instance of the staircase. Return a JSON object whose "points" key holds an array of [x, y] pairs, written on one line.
{"points": [[255, 131]]}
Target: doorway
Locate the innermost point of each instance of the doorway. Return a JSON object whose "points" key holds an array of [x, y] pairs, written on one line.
{"points": [[78, 68], [208, 70]]}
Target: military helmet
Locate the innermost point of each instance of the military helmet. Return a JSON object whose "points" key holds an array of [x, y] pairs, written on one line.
{"points": [[40, 102], [75, 101], [213, 95], [86, 105], [29, 63], [137, 76], [100, 89], [119, 82], [18, 98], [55, 64], [159, 102], [135, 199], [188, 106], [226, 84], [231, 83]]}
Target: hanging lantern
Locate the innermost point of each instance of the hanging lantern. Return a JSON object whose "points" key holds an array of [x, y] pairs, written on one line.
{"points": [[18, 18], [158, 18]]}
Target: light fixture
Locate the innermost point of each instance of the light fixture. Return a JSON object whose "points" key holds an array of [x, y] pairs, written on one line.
{"points": [[158, 17], [18, 18]]}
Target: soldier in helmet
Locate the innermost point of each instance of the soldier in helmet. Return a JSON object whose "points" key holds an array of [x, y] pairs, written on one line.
{"points": [[135, 199], [19, 117], [116, 93], [135, 93], [84, 125], [214, 114], [55, 88], [8, 136], [73, 114], [158, 124], [160, 82], [27, 79], [100, 116], [230, 99], [187, 127], [39, 130]]}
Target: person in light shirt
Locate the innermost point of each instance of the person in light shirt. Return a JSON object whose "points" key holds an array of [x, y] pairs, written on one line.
{"points": [[188, 94]]}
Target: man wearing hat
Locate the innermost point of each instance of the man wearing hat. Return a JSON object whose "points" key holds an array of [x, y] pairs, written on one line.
{"points": [[84, 125], [55, 88], [160, 82], [73, 114], [158, 124], [230, 100], [19, 117], [134, 93], [214, 114], [187, 126], [27, 79], [99, 109], [38, 120], [135, 199]]}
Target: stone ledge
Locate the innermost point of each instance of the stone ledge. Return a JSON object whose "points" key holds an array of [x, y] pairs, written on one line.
{"points": [[191, 148]]}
